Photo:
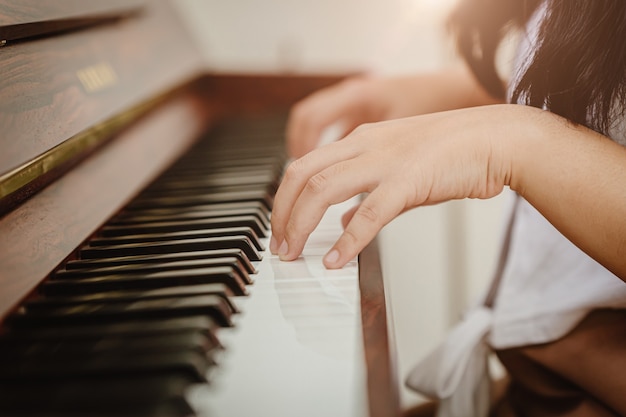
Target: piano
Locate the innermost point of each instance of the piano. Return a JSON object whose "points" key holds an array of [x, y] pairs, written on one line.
{"points": [[135, 193]]}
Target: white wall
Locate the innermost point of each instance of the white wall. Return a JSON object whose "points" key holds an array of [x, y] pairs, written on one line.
{"points": [[436, 259], [318, 35]]}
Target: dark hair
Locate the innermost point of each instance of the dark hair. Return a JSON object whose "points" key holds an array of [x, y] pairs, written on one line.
{"points": [[579, 67]]}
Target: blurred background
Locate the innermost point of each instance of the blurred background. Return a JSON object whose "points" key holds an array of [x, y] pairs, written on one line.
{"points": [[437, 260]]}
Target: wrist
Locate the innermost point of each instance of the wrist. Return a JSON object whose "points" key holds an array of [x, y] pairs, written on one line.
{"points": [[531, 144]]}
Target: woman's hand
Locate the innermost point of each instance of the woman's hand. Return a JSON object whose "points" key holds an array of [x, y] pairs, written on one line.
{"points": [[574, 176], [369, 99], [402, 164]]}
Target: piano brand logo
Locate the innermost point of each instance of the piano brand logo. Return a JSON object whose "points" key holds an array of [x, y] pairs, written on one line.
{"points": [[97, 77]]}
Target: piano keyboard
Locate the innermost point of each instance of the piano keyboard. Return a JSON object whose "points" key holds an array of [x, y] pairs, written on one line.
{"points": [[175, 307]]}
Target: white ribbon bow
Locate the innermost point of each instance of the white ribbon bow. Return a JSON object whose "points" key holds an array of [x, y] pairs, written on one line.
{"points": [[456, 372]]}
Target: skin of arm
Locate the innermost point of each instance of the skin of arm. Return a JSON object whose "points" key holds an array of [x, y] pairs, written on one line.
{"points": [[577, 179], [574, 176]]}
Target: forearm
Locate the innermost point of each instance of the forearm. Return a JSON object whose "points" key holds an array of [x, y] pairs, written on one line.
{"points": [[577, 179]]}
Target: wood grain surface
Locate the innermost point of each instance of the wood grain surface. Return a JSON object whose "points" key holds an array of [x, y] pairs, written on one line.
{"points": [[43, 100]]}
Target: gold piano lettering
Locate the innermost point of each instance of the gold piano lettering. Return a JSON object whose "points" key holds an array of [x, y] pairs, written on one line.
{"points": [[97, 77]]}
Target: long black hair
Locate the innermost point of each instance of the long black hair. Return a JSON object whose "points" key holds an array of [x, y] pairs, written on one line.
{"points": [[579, 67]]}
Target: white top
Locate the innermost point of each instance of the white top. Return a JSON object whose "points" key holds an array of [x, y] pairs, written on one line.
{"points": [[547, 287]]}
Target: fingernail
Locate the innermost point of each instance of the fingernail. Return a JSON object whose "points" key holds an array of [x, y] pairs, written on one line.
{"points": [[273, 245], [332, 256], [283, 249]]}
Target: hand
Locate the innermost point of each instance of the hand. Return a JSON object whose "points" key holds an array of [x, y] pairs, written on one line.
{"points": [[352, 102], [369, 99], [402, 164]]}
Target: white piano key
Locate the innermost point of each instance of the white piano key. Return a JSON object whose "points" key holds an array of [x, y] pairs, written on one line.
{"points": [[297, 346]]}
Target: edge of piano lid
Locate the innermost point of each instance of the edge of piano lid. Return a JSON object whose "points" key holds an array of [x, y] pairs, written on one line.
{"points": [[95, 102]]}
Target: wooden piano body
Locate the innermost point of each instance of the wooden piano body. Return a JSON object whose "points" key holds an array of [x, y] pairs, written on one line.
{"points": [[95, 101]]}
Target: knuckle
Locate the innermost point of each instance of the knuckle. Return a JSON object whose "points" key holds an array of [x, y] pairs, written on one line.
{"points": [[316, 184], [359, 129], [363, 128], [298, 111], [350, 237], [368, 214], [293, 171]]}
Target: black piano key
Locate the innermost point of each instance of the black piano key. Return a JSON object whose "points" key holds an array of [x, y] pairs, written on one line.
{"points": [[145, 268], [188, 362], [217, 289], [249, 177], [129, 395], [214, 176], [163, 258], [243, 148], [240, 149], [226, 197], [185, 245], [173, 211], [192, 192], [142, 218], [226, 165], [96, 313], [186, 225], [204, 325], [224, 176], [226, 179], [224, 275], [176, 236], [70, 350], [151, 309]]}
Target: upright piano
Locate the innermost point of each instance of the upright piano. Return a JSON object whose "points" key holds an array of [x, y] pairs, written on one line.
{"points": [[135, 193]]}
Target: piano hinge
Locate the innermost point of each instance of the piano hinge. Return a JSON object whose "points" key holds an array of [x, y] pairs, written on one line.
{"points": [[73, 147]]}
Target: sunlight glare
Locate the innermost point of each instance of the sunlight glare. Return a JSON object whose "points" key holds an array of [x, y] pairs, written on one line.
{"points": [[435, 8]]}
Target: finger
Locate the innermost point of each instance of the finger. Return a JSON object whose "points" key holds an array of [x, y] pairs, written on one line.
{"points": [[377, 209], [294, 180], [333, 185], [347, 216]]}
